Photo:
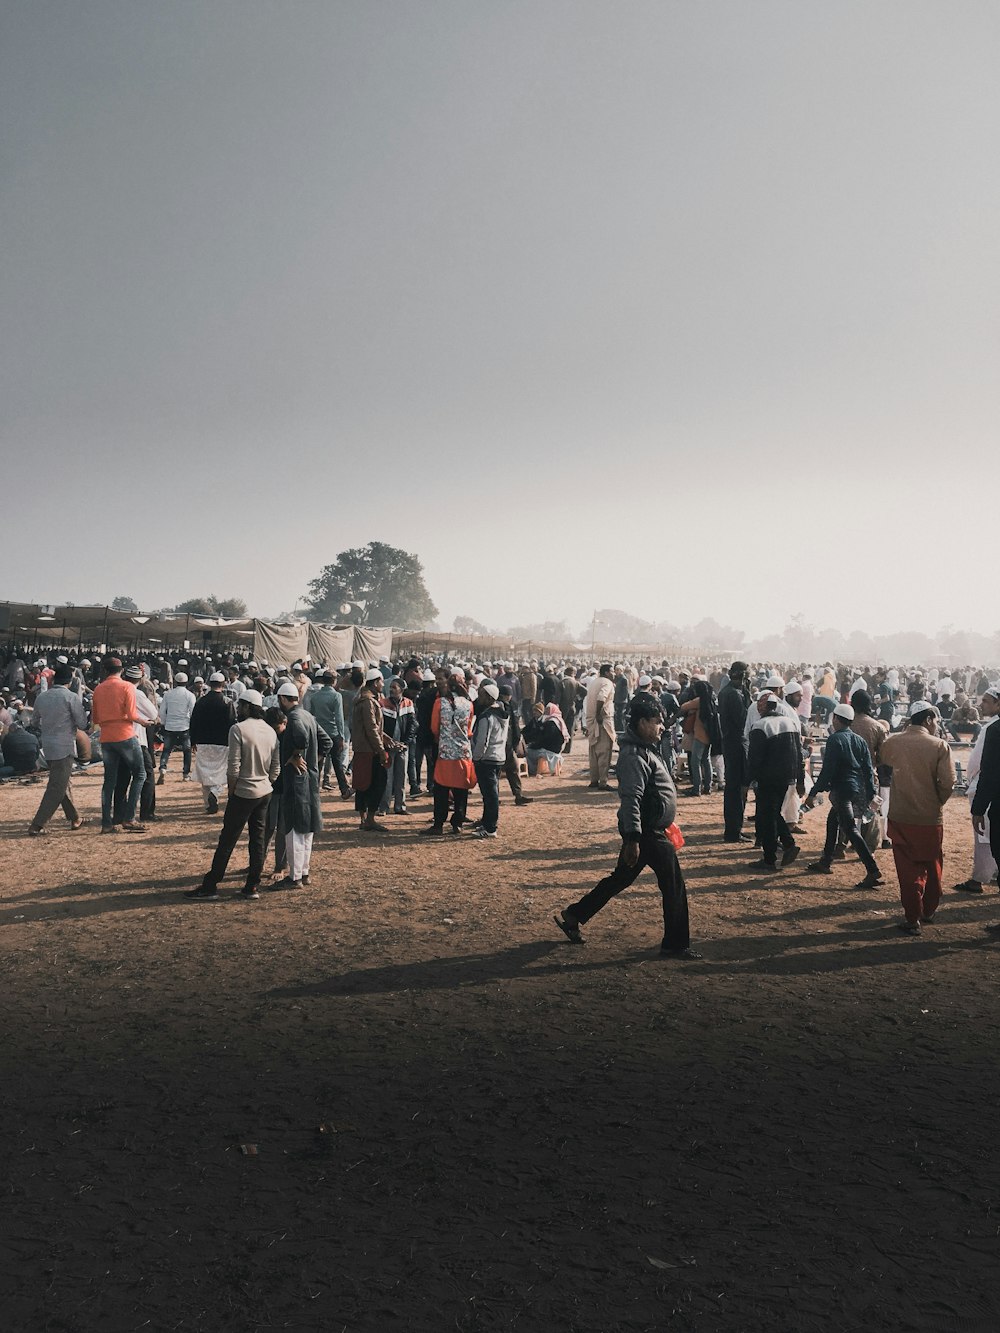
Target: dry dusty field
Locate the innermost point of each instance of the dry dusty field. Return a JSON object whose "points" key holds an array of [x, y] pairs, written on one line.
{"points": [[400, 1100]]}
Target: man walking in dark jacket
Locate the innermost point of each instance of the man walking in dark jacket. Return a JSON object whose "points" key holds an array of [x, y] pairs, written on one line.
{"points": [[775, 761], [733, 704], [648, 805], [848, 776]]}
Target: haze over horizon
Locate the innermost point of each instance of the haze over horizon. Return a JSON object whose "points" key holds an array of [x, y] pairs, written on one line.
{"points": [[688, 310]]}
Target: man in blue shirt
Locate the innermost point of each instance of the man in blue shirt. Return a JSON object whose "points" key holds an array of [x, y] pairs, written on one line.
{"points": [[848, 776]]}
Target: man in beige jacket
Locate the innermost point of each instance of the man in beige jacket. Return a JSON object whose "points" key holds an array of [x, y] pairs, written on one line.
{"points": [[923, 778]]}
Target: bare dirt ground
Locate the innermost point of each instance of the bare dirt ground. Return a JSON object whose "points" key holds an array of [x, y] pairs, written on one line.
{"points": [[797, 1133]]}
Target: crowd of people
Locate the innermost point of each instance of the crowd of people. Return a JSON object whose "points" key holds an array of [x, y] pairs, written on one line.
{"points": [[265, 741]]}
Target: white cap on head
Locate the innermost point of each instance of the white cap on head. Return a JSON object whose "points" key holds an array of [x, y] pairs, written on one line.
{"points": [[766, 697], [774, 683], [793, 687], [457, 671], [358, 663], [63, 660], [427, 674], [180, 678], [252, 697], [216, 678], [922, 706], [674, 686], [845, 711], [286, 690], [373, 673], [645, 680], [491, 688]]}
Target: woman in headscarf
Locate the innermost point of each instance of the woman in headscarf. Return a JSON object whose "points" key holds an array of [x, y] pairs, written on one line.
{"points": [[452, 721], [707, 735], [545, 735]]}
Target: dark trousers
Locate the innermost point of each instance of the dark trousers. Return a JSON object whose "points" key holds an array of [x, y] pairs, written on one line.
{"points": [[176, 740], [768, 823], [335, 761], [657, 852], [424, 752], [368, 801], [512, 775], [734, 800], [240, 812], [841, 820], [461, 797], [275, 828], [489, 786], [147, 797]]}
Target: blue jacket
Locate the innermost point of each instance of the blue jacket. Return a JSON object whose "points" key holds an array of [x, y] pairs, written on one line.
{"points": [[847, 767]]}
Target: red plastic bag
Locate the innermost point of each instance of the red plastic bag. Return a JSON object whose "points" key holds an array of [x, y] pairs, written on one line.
{"points": [[675, 836]]}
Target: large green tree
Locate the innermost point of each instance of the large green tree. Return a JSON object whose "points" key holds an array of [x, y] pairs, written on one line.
{"points": [[232, 608], [377, 584]]}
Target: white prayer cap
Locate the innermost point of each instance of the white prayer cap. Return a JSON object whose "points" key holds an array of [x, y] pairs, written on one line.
{"points": [[457, 671], [216, 678], [674, 686], [845, 711], [491, 688], [774, 682], [252, 697], [645, 680], [427, 674], [180, 678], [373, 673], [921, 707], [286, 690], [793, 687], [359, 664]]}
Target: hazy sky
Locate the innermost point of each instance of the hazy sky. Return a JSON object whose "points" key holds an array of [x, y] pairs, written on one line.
{"points": [[686, 308]]}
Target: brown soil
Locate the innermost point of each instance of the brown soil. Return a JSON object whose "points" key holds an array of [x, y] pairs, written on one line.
{"points": [[400, 1100]]}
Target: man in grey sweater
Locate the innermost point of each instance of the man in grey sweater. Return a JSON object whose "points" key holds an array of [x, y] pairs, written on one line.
{"points": [[648, 805]]}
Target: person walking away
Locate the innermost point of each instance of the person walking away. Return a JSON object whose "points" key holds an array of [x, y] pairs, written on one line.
{"points": [[923, 778], [252, 765], [211, 718], [176, 708], [58, 717], [849, 776], [774, 762], [326, 704], [648, 805]]}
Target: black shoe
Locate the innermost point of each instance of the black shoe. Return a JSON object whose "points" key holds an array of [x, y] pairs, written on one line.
{"points": [[435, 831], [305, 881], [789, 855], [569, 927], [455, 830], [870, 882], [593, 784], [820, 868], [886, 845], [764, 867], [526, 800], [213, 804], [968, 886], [839, 854], [203, 894], [682, 955], [286, 883], [249, 892]]}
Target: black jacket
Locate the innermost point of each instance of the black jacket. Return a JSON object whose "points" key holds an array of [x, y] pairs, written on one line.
{"points": [[647, 793], [733, 704], [211, 718], [988, 786], [775, 757]]}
